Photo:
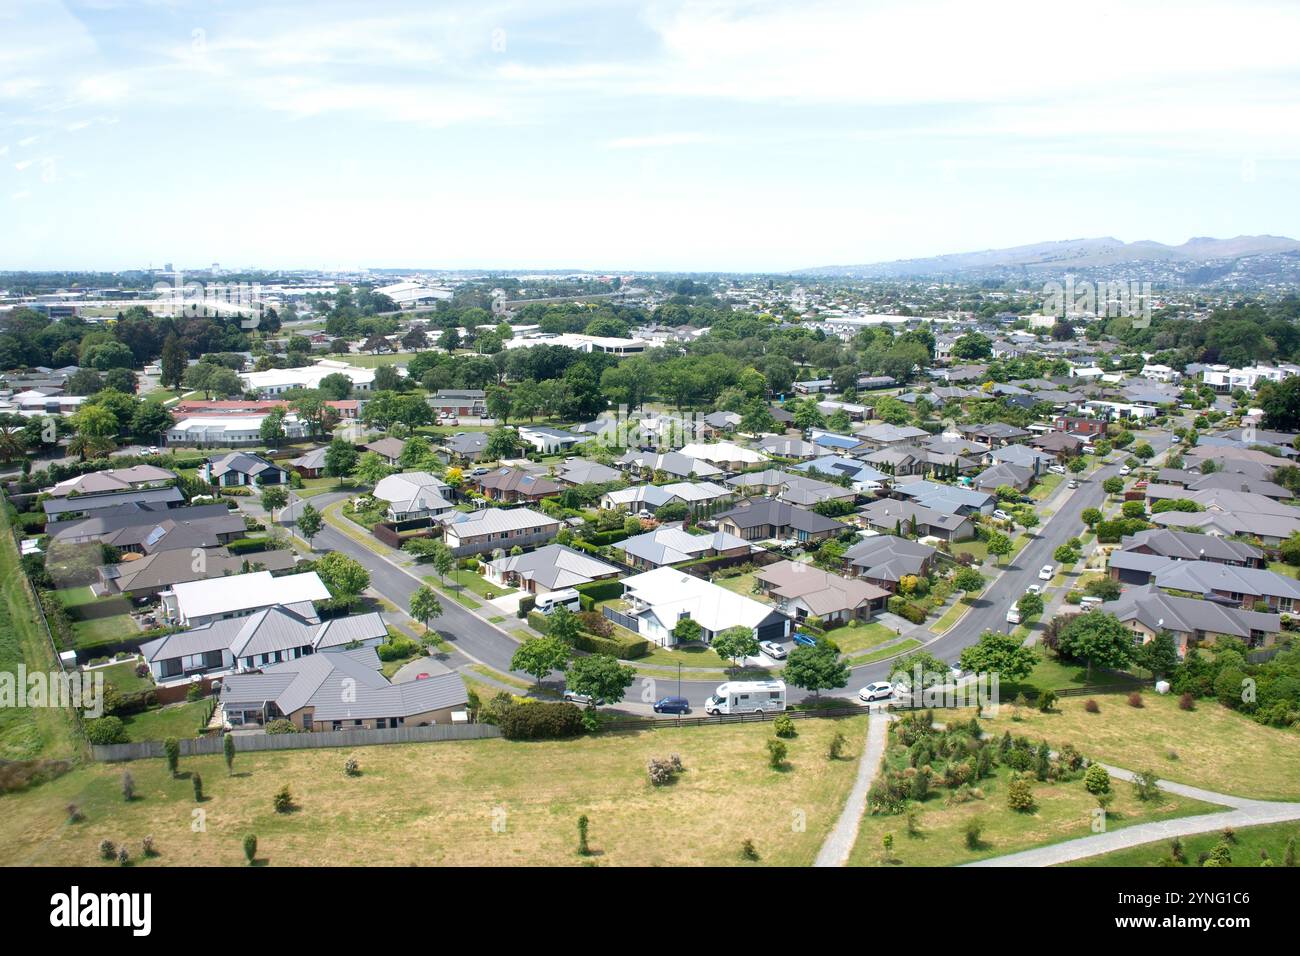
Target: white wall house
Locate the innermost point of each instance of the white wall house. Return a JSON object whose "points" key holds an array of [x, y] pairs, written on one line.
{"points": [[238, 595]]}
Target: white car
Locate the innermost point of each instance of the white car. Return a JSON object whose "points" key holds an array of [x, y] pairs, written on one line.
{"points": [[1124, 469], [773, 650], [1057, 469], [1033, 589], [1046, 573], [1013, 615], [879, 690], [1001, 515]]}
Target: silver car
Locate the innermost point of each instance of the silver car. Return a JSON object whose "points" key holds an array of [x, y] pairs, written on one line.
{"points": [[773, 650]]}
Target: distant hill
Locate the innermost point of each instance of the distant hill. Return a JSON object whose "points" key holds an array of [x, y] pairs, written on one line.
{"points": [[1084, 255]]}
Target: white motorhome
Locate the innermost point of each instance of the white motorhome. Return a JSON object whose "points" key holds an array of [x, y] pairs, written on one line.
{"points": [[747, 697], [564, 597]]}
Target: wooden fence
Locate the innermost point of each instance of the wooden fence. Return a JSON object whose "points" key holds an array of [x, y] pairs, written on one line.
{"points": [[208, 746]]}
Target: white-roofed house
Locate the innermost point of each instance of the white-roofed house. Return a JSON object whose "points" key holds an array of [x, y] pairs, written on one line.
{"points": [[655, 601], [413, 495], [238, 595]]}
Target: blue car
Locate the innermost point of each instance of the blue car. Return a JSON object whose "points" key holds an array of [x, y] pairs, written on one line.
{"points": [[673, 705], [807, 640]]}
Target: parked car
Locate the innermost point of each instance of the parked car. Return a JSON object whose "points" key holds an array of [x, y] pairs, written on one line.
{"points": [[1124, 469], [673, 705], [1034, 589], [773, 650], [585, 699], [1013, 615], [1057, 469], [807, 640], [1001, 515], [877, 690], [1046, 573], [1074, 483]]}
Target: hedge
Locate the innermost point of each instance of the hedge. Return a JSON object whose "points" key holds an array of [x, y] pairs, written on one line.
{"points": [[626, 648], [544, 720], [601, 590], [247, 545], [602, 538], [906, 609]]}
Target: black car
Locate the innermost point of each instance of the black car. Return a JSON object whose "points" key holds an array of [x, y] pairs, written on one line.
{"points": [[673, 705]]}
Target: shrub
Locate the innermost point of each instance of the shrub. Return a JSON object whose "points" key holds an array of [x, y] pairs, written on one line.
{"points": [[1047, 700], [1096, 779], [283, 800], [194, 692], [526, 604], [747, 851], [74, 813], [107, 850], [663, 771], [281, 726], [351, 767], [1144, 785], [250, 847], [1091, 706], [544, 720], [198, 788], [396, 648], [1020, 795], [973, 830], [783, 726], [776, 753], [128, 787], [123, 855], [835, 749], [1135, 699], [172, 751], [1186, 702], [106, 730], [147, 846]]}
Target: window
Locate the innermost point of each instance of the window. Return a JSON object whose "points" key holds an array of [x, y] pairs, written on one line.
{"points": [[306, 722]]}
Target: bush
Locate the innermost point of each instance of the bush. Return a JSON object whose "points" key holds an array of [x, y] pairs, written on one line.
{"points": [[1047, 700], [783, 726], [835, 749], [247, 546], [1091, 706], [351, 767], [1096, 780], [1135, 699], [776, 753], [1186, 702], [906, 610], [281, 726], [106, 730], [747, 851], [396, 648], [1020, 796], [526, 604], [973, 830], [544, 720], [1144, 785], [283, 800], [147, 847], [250, 847], [107, 850], [663, 771], [601, 590]]}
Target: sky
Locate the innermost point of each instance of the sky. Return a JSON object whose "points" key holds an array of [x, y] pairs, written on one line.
{"points": [[726, 135]]}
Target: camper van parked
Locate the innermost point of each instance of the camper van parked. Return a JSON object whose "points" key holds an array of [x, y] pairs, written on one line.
{"points": [[565, 597], [747, 697]]}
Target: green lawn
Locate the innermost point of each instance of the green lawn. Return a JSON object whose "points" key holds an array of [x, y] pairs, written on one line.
{"points": [[742, 584], [861, 636], [456, 594], [174, 720], [122, 676], [692, 655], [366, 360], [1045, 485], [902, 647], [951, 616], [1247, 848], [974, 547]]}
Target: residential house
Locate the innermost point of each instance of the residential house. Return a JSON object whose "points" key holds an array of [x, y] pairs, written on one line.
{"points": [[134, 478], [132, 528], [266, 637], [950, 499], [550, 441], [673, 464], [73, 507], [727, 456], [888, 515], [782, 446], [801, 591], [465, 447], [389, 449], [459, 402], [192, 603], [1147, 611], [310, 464], [514, 485], [1060, 445], [413, 495], [672, 545], [791, 488], [885, 559], [765, 519], [995, 476], [154, 573], [656, 601], [239, 469], [577, 471], [340, 691], [491, 528], [550, 568], [884, 435], [995, 434], [1186, 546]]}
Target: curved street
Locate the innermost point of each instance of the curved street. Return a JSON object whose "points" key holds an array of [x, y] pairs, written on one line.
{"points": [[475, 640]]}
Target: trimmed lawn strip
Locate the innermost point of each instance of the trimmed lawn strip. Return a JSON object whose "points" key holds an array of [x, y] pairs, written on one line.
{"points": [[174, 720], [1250, 841]]}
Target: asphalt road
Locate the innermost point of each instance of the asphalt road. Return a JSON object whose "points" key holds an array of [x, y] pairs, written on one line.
{"points": [[475, 640]]}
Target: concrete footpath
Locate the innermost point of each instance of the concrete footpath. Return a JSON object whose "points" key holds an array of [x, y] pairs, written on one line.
{"points": [[839, 842]]}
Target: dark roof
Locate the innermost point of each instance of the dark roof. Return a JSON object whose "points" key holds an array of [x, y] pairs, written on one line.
{"points": [[767, 511]]}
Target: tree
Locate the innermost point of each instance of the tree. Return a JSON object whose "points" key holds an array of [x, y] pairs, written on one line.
{"points": [[425, 605], [1091, 516], [501, 443], [1078, 465], [309, 522], [172, 751], [968, 580], [687, 631], [372, 469], [1065, 555], [340, 458], [443, 560], [816, 668], [1113, 485], [999, 545], [736, 643], [173, 362], [150, 421], [1001, 654], [1159, 655], [345, 577], [228, 748], [1029, 605], [274, 497], [538, 656], [336, 387], [599, 676], [250, 847], [1098, 638]]}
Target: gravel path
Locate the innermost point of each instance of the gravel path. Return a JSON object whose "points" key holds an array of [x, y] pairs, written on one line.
{"points": [[839, 842]]}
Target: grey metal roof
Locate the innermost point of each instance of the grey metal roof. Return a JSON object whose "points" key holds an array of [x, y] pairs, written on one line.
{"points": [[90, 503]]}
